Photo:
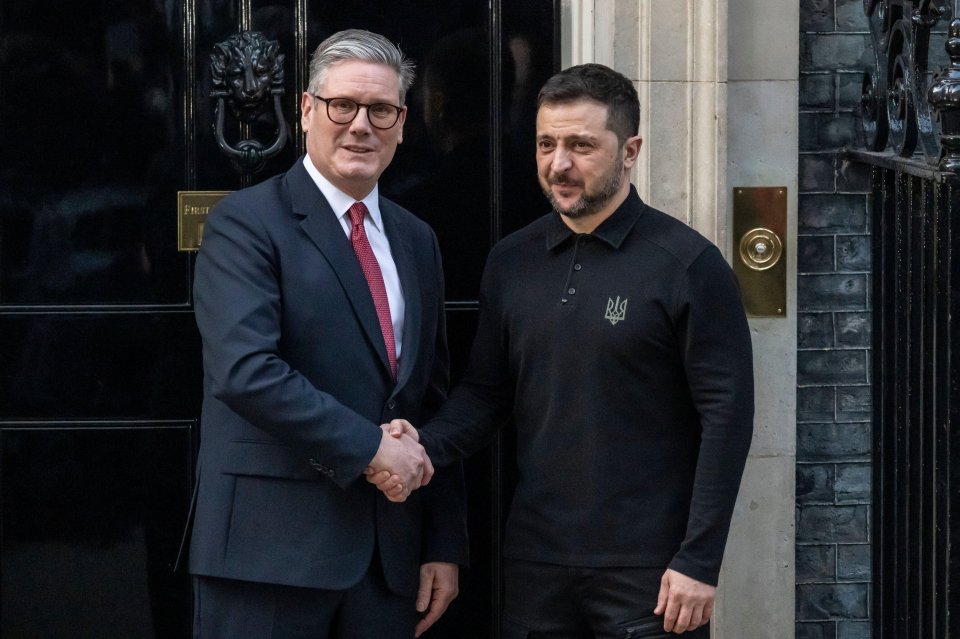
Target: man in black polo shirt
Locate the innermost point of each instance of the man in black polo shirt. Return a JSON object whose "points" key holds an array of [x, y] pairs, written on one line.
{"points": [[614, 337]]}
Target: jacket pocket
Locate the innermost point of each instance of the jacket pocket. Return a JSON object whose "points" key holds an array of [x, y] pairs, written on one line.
{"points": [[266, 459]]}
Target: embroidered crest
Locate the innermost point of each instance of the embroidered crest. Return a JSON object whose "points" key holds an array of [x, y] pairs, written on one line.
{"points": [[616, 310]]}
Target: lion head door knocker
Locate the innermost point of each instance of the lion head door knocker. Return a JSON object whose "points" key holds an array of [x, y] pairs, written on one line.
{"points": [[247, 71]]}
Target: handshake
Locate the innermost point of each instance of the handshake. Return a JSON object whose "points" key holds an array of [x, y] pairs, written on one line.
{"points": [[401, 464]]}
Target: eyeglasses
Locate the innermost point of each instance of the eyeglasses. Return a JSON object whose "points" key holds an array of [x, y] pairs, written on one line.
{"points": [[344, 110]]}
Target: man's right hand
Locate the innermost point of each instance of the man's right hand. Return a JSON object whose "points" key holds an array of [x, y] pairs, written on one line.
{"points": [[401, 463], [391, 484]]}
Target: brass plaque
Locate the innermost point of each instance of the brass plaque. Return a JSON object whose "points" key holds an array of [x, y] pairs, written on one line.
{"points": [[759, 248], [192, 210]]}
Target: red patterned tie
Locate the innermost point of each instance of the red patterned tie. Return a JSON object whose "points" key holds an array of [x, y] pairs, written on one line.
{"points": [[371, 271]]}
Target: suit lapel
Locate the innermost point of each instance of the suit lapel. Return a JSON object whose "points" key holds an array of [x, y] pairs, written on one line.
{"points": [[403, 257], [321, 225]]}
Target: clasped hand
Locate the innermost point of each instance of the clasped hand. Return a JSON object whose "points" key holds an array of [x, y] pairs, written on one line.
{"points": [[401, 465]]}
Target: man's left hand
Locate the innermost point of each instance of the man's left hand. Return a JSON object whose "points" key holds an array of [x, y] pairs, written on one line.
{"points": [[685, 603], [438, 587]]}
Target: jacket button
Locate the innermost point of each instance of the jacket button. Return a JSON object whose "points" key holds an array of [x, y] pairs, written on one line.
{"points": [[391, 404]]}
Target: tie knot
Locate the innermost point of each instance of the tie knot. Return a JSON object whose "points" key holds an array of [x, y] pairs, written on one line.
{"points": [[357, 213]]}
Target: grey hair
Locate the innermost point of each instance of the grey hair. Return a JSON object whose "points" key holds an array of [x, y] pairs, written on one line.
{"points": [[357, 44]]}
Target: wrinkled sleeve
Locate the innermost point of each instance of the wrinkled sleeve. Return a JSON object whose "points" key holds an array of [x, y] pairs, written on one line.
{"points": [[482, 401], [717, 354]]}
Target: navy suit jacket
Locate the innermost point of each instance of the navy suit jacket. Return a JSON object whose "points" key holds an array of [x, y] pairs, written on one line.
{"points": [[296, 384]]}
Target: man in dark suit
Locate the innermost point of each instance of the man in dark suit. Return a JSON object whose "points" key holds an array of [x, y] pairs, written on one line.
{"points": [[320, 305]]}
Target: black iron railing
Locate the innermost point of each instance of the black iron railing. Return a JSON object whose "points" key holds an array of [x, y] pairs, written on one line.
{"points": [[911, 123], [916, 386]]}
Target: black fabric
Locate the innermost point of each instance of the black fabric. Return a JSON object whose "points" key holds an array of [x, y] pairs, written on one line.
{"points": [[624, 359], [231, 609], [545, 601]]}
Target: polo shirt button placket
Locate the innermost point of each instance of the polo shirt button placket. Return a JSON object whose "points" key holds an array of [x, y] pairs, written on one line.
{"points": [[575, 267]]}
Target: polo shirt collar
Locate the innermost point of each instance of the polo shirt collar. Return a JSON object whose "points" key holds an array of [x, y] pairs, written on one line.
{"points": [[613, 230]]}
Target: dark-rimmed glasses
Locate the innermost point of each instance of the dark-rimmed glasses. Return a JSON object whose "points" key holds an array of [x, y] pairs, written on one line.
{"points": [[344, 110]]}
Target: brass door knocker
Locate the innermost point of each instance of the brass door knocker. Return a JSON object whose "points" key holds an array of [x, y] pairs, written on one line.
{"points": [[247, 70]]}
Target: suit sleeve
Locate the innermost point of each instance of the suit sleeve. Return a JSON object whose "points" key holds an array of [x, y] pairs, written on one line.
{"points": [[444, 498], [237, 301], [716, 349]]}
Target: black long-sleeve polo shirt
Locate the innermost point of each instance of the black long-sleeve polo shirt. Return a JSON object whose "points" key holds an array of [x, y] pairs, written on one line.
{"points": [[623, 357]]}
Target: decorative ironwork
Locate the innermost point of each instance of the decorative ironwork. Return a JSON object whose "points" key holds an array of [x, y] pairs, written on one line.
{"points": [[897, 105], [945, 97], [247, 73], [915, 301]]}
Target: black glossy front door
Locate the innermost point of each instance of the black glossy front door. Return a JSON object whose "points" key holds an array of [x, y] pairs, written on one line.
{"points": [[104, 116]]}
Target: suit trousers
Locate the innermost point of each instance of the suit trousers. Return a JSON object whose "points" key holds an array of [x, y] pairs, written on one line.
{"points": [[548, 601], [232, 609]]}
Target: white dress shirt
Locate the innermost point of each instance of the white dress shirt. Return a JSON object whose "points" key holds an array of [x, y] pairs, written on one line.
{"points": [[340, 202]]}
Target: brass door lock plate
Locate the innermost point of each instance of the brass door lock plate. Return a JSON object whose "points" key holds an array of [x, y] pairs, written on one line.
{"points": [[759, 224]]}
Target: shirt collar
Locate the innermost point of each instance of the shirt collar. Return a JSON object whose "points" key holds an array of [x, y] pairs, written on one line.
{"points": [[613, 230], [339, 201]]}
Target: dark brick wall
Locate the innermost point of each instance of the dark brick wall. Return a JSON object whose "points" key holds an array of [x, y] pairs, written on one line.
{"points": [[833, 332]]}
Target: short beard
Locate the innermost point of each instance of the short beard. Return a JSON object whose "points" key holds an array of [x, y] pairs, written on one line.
{"points": [[590, 203]]}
